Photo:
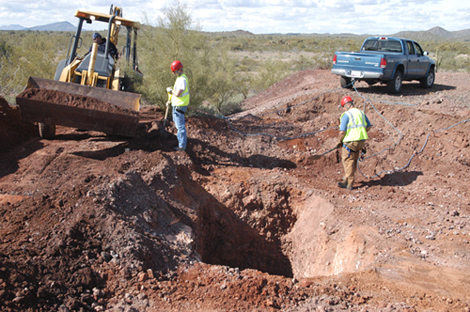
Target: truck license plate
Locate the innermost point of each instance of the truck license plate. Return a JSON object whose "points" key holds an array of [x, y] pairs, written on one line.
{"points": [[356, 73]]}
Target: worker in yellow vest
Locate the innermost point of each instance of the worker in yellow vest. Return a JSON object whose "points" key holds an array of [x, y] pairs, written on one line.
{"points": [[353, 129], [179, 102]]}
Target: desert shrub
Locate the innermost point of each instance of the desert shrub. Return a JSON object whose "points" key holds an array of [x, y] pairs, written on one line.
{"points": [[242, 82], [41, 64], [452, 56], [5, 49], [323, 60], [240, 44], [221, 86], [453, 61], [271, 71], [302, 62], [176, 36], [246, 64], [231, 107], [10, 74], [27, 53], [298, 44]]}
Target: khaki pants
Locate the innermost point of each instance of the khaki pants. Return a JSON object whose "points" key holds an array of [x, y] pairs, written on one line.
{"points": [[350, 160]]}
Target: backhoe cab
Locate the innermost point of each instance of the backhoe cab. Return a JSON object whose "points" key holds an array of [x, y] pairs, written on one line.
{"points": [[94, 76], [96, 68]]}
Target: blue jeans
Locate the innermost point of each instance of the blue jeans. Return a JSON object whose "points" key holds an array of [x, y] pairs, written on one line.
{"points": [[178, 119]]}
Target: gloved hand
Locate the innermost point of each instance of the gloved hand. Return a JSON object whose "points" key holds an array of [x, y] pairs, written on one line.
{"points": [[363, 153], [169, 90], [167, 103]]}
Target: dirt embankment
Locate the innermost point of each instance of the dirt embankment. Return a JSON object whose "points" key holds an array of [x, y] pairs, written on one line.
{"points": [[247, 219]]}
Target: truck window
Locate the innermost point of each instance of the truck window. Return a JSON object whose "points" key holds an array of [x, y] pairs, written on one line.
{"points": [[382, 45], [370, 45], [394, 46], [411, 49], [418, 49]]}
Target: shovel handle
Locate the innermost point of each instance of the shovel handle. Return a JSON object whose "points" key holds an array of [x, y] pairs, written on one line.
{"points": [[315, 157], [329, 150], [167, 109], [168, 105]]}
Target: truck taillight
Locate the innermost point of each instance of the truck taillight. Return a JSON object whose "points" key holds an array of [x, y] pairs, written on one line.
{"points": [[334, 59], [383, 63]]}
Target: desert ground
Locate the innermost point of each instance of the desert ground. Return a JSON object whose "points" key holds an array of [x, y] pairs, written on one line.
{"points": [[250, 216]]}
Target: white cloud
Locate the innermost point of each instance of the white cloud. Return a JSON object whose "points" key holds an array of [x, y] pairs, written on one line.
{"points": [[265, 16], [239, 3]]}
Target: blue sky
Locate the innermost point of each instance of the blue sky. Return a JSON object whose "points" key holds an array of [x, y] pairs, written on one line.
{"points": [[262, 17]]}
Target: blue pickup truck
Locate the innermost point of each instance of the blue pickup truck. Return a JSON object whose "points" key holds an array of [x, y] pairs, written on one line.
{"points": [[385, 60]]}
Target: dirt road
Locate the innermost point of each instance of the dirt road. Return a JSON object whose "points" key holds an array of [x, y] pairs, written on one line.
{"points": [[247, 219]]}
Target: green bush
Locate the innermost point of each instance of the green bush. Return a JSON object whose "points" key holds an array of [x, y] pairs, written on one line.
{"points": [[210, 69], [27, 53]]}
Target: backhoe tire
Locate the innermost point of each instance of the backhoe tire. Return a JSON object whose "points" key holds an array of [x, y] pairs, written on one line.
{"points": [[345, 82], [394, 85], [46, 131], [428, 81]]}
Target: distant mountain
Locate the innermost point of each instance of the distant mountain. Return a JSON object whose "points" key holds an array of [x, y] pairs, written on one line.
{"points": [[462, 34], [233, 33], [435, 33], [59, 26], [12, 27], [441, 32]]}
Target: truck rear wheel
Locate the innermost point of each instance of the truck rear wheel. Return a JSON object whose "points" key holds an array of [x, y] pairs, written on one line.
{"points": [[428, 81], [345, 82], [46, 131], [394, 85]]}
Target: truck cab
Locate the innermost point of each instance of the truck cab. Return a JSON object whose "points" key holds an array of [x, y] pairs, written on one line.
{"points": [[386, 60]]}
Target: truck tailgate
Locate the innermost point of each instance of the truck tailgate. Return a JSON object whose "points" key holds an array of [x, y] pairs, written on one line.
{"points": [[358, 63]]}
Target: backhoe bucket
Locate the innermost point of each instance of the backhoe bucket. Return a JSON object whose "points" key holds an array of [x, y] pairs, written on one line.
{"points": [[78, 106]]}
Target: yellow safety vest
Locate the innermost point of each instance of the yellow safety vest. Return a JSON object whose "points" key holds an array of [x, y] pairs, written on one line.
{"points": [[182, 100], [356, 128]]}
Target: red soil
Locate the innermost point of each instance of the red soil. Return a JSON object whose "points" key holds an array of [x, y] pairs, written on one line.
{"points": [[244, 222]]}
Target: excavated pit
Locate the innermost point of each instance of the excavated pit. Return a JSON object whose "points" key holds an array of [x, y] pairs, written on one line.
{"points": [[247, 233]]}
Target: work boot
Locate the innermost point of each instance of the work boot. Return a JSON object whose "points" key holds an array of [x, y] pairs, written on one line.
{"points": [[345, 185], [178, 148]]}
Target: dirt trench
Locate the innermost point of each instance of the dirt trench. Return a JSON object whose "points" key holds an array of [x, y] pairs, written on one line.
{"points": [[242, 221]]}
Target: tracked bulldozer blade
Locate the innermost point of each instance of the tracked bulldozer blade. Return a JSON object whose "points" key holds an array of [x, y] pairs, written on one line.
{"points": [[84, 107]]}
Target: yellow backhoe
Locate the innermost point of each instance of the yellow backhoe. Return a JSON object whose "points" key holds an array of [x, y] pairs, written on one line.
{"points": [[92, 76]]}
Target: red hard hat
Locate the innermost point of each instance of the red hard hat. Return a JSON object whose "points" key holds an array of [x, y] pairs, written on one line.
{"points": [[176, 65], [346, 99]]}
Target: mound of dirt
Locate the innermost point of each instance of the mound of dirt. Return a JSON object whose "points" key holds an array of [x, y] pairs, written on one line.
{"points": [[12, 129], [72, 100], [248, 218]]}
